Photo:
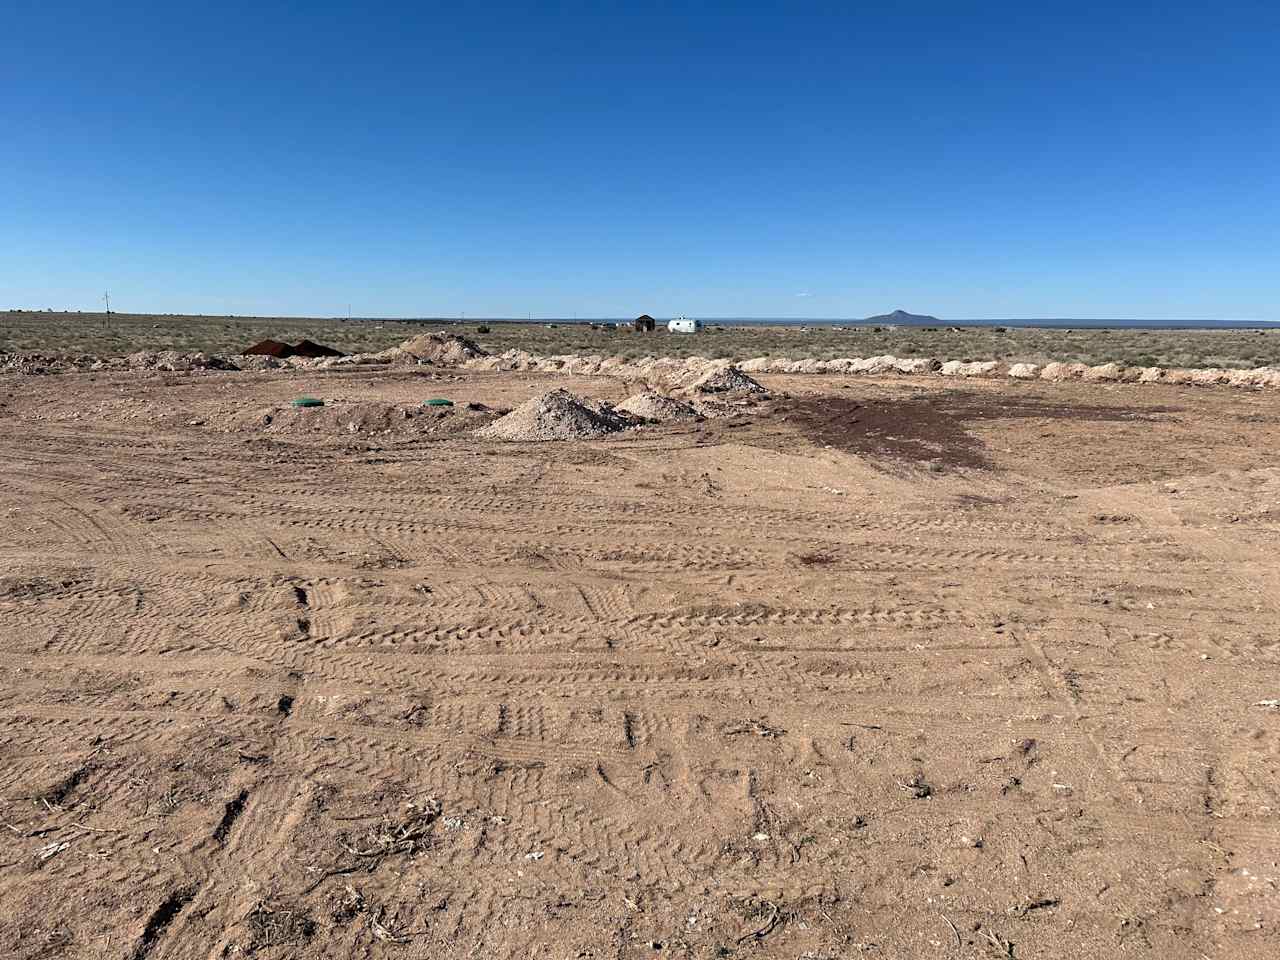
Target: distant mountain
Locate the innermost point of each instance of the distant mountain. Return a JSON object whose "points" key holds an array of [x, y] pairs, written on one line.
{"points": [[901, 316]]}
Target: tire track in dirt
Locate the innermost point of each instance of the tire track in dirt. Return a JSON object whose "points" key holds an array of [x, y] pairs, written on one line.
{"points": [[657, 695]]}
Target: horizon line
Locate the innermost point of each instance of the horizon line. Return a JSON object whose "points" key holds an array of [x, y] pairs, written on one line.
{"points": [[477, 318]]}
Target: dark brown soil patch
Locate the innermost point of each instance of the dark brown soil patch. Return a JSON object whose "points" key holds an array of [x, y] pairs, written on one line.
{"points": [[930, 429], [269, 348], [815, 559], [282, 351], [311, 349]]}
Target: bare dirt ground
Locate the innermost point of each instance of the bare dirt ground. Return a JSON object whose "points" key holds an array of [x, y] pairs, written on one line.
{"points": [[898, 669]]}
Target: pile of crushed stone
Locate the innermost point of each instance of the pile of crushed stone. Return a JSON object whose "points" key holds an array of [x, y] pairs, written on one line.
{"points": [[690, 371], [392, 356], [164, 361], [656, 407], [35, 364], [435, 349], [259, 361], [558, 415], [446, 349], [727, 379], [173, 360]]}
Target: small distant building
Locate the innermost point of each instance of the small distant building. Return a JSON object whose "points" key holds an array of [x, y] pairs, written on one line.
{"points": [[683, 325], [643, 323]]}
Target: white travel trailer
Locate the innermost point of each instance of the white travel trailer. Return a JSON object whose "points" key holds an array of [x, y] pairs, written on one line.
{"points": [[683, 325]]}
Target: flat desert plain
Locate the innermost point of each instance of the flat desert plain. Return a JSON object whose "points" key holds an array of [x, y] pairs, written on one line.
{"points": [[878, 669]]}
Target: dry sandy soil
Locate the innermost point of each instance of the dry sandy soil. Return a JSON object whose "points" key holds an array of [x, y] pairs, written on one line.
{"points": [[901, 669]]}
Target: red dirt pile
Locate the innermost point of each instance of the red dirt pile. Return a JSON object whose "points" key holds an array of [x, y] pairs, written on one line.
{"points": [[308, 349], [311, 349], [269, 348]]}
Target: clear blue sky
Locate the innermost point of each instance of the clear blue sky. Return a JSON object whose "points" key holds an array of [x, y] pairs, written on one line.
{"points": [[963, 159]]}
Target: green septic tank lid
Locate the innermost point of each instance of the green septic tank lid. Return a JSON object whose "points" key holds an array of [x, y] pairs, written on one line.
{"points": [[437, 402], [308, 402]]}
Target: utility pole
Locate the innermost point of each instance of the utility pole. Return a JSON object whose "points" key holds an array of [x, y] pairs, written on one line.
{"points": [[106, 297]]}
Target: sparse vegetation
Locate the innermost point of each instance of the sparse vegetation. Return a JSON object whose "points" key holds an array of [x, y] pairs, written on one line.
{"points": [[96, 333]]}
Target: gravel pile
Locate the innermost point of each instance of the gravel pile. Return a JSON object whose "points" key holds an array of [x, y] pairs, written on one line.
{"points": [[558, 415], [650, 405], [726, 380], [259, 362], [38, 363], [446, 349], [176, 361]]}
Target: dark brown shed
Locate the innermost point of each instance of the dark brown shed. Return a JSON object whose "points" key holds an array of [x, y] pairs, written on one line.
{"points": [[643, 323]]}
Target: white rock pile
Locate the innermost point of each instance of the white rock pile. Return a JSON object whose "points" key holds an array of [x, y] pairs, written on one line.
{"points": [[722, 380], [681, 373], [557, 415], [656, 407]]}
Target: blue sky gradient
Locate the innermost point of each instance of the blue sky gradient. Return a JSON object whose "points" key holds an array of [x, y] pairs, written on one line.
{"points": [[961, 159]]}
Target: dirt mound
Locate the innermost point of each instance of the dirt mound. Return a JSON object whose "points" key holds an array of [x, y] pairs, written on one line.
{"points": [[969, 368], [269, 348], [558, 415], [312, 350], [35, 364], [173, 360], [726, 380], [650, 405], [446, 349], [259, 361], [363, 418], [393, 356], [308, 349], [165, 360]]}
